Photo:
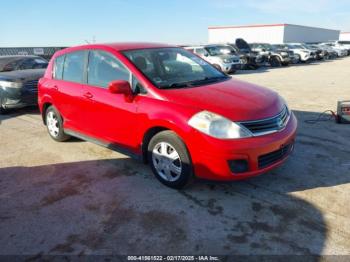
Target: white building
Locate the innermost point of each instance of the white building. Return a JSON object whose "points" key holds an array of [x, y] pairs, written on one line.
{"points": [[344, 36], [272, 33]]}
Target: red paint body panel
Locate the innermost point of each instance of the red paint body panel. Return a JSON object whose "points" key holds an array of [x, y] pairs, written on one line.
{"points": [[112, 118]]}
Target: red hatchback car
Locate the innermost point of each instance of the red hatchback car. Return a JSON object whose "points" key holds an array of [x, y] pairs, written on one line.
{"points": [[168, 107]]}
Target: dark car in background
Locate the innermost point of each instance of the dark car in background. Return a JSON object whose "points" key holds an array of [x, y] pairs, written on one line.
{"points": [[248, 59], [19, 77], [244, 48], [276, 57]]}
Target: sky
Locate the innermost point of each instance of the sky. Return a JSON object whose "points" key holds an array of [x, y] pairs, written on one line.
{"points": [[75, 22]]}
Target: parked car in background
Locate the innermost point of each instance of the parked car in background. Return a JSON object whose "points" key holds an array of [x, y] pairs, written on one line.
{"points": [[344, 44], [244, 48], [328, 52], [276, 57], [283, 47], [223, 57], [319, 54], [305, 55], [169, 107], [19, 77], [340, 50], [249, 60]]}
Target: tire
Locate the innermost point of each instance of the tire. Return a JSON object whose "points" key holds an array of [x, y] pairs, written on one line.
{"points": [[275, 61], [166, 149], [2, 110], [54, 124]]}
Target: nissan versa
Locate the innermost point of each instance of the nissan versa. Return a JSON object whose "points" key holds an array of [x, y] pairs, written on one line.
{"points": [[168, 107]]}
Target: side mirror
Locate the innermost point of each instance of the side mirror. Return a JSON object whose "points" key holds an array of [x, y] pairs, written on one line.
{"points": [[121, 87], [206, 54]]}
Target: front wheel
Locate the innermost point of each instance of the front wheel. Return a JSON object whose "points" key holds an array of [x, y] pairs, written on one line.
{"points": [[170, 160], [2, 110], [275, 61], [54, 124]]}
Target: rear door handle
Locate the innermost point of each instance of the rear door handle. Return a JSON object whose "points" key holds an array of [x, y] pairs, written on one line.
{"points": [[88, 95]]}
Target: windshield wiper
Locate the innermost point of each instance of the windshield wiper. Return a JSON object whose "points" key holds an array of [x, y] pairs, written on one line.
{"points": [[196, 82], [209, 80]]}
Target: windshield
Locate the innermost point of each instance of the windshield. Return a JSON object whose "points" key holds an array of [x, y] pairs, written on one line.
{"points": [[295, 46], [282, 47], [174, 67], [220, 50], [267, 47]]}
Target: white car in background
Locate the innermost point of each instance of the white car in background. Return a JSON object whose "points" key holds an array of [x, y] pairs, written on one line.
{"points": [[304, 53], [223, 57], [339, 49], [343, 43]]}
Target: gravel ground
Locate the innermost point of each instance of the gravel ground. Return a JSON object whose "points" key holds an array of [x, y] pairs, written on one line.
{"points": [[79, 198]]}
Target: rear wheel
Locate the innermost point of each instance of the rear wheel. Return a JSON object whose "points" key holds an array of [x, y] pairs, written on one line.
{"points": [[170, 160], [54, 124]]}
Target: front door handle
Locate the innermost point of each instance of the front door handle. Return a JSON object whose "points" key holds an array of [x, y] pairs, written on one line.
{"points": [[55, 88], [88, 95]]}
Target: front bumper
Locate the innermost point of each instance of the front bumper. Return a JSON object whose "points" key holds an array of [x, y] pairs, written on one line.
{"points": [[286, 59], [211, 157], [227, 68], [17, 97]]}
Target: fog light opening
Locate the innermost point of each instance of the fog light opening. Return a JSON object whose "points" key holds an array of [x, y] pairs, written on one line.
{"points": [[238, 166]]}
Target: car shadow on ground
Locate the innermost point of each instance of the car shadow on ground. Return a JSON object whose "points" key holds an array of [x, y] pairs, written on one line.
{"points": [[15, 112], [116, 206]]}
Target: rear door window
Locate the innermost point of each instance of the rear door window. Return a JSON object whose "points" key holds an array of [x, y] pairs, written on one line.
{"points": [[73, 69], [58, 67], [104, 68]]}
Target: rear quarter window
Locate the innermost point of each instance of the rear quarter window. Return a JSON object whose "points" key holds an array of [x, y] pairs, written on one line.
{"points": [[58, 67]]}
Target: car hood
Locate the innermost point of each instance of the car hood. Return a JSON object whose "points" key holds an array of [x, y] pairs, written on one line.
{"points": [[242, 44], [22, 75], [233, 99], [228, 56]]}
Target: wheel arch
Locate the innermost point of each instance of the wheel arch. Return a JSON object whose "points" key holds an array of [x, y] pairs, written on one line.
{"points": [[150, 133], [154, 130], [45, 106]]}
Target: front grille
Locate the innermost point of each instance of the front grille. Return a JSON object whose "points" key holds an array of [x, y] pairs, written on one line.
{"points": [[31, 85], [269, 125], [275, 156]]}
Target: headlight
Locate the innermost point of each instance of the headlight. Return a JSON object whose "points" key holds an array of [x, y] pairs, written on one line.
{"points": [[227, 60], [217, 126], [9, 84], [284, 53], [286, 105]]}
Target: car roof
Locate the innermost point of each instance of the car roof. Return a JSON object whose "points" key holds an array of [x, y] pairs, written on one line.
{"points": [[211, 45], [19, 56], [123, 46]]}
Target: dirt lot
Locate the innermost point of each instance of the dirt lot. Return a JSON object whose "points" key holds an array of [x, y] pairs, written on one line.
{"points": [[79, 198]]}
